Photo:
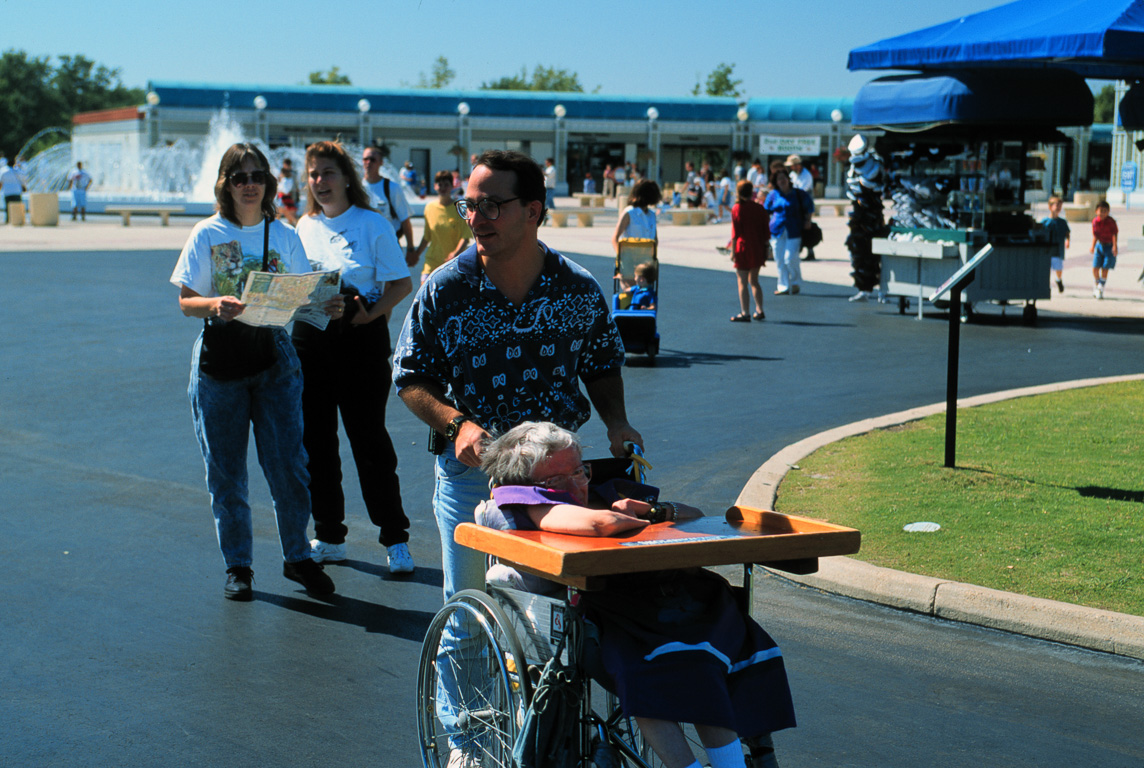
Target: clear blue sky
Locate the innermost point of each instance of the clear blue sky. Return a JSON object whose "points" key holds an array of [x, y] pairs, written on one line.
{"points": [[779, 49]]}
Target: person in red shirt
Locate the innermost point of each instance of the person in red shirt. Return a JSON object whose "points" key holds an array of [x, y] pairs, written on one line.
{"points": [[750, 242], [1104, 247]]}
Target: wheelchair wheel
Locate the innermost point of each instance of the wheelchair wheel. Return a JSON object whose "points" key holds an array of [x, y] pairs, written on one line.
{"points": [[472, 685]]}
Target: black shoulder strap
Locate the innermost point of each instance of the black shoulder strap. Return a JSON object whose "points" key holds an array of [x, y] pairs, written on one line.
{"points": [[266, 244], [388, 199]]}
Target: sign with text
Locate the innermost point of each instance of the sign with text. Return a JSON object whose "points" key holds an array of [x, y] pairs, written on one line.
{"points": [[1128, 177], [808, 146]]}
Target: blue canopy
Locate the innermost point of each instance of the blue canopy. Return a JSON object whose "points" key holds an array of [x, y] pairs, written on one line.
{"points": [[1094, 38], [998, 99]]}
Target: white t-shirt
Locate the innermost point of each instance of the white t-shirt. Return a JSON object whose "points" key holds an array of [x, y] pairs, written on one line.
{"points": [[550, 176], [220, 254], [397, 197], [641, 223], [360, 244], [10, 182], [80, 179], [286, 185], [803, 180]]}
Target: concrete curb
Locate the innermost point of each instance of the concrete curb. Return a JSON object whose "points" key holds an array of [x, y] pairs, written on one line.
{"points": [[1092, 628]]}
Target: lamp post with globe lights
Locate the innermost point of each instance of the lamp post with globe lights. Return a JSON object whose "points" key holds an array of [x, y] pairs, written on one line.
{"points": [[365, 128]]}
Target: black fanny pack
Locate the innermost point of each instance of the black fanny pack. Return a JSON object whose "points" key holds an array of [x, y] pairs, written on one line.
{"points": [[234, 350]]}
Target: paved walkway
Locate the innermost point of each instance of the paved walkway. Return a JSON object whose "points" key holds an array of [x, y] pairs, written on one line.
{"points": [[121, 649], [696, 247]]}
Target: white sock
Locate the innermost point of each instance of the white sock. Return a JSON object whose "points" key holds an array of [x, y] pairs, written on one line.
{"points": [[727, 756]]}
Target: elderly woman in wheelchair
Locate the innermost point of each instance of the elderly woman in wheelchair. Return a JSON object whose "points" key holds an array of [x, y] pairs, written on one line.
{"points": [[674, 645]]}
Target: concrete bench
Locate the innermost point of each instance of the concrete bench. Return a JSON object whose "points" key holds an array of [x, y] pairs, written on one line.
{"points": [[684, 217], [589, 200], [839, 206], [583, 215], [164, 212], [1078, 211]]}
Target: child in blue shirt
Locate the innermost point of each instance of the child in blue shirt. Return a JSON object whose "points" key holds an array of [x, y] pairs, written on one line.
{"points": [[642, 294], [1059, 233]]}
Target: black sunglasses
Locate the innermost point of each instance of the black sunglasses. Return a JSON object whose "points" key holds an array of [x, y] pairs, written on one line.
{"points": [[241, 178], [488, 207]]}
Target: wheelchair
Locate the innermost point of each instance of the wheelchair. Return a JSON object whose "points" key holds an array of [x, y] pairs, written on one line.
{"points": [[474, 695], [490, 679]]}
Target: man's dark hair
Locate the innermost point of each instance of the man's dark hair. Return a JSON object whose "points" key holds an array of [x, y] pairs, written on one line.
{"points": [[529, 184]]}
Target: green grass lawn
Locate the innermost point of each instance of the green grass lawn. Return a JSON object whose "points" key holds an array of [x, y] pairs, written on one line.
{"points": [[1047, 498]]}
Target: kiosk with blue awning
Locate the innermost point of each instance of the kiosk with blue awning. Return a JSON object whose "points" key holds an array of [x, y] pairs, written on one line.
{"points": [[963, 137]]}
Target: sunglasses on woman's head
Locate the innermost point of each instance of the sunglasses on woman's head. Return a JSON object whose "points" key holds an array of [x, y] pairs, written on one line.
{"points": [[241, 178]]}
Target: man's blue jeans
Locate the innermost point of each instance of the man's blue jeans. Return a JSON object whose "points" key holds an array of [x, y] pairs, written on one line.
{"points": [[223, 412], [459, 488]]}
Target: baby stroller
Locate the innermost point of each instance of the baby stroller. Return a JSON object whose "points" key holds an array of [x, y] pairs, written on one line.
{"points": [[637, 325]]}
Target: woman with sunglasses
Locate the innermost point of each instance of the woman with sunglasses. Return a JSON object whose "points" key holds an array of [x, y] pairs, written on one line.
{"points": [[674, 645], [242, 375], [346, 366]]}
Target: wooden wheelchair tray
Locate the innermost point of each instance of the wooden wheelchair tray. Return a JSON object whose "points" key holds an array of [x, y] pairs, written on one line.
{"points": [[745, 535]]}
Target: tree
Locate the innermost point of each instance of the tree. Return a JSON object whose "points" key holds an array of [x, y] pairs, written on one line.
{"points": [[86, 86], [442, 75], [333, 77], [543, 79], [35, 95], [1104, 104], [719, 83]]}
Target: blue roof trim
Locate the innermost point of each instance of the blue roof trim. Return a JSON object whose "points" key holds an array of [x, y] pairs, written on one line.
{"points": [[416, 101]]}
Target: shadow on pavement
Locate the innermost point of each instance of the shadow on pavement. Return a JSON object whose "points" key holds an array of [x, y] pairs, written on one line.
{"points": [[373, 618]]}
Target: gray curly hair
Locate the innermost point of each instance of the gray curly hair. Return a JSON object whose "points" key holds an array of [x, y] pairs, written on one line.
{"points": [[512, 458]]}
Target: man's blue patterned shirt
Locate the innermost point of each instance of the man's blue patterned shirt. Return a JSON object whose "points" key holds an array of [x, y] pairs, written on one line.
{"points": [[503, 364]]}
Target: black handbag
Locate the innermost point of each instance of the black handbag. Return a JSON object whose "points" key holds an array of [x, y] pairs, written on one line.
{"points": [[812, 235], [548, 733], [234, 350]]}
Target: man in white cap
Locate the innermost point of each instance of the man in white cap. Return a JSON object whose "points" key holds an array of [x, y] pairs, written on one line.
{"points": [[800, 178]]}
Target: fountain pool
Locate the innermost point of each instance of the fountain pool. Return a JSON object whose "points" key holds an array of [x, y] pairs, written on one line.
{"points": [[181, 173]]}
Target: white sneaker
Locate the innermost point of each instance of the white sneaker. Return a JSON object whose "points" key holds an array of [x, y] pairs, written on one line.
{"points": [[321, 552], [1100, 291], [400, 561], [1096, 291], [860, 296]]}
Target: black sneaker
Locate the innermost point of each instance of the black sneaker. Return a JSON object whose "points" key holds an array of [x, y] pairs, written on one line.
{"points": [[1060, 287], [310, 575], [238, 584]]}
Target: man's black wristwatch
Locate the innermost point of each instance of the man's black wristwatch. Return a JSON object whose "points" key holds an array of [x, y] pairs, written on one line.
{"points": [[660, 512], [454, 427]]}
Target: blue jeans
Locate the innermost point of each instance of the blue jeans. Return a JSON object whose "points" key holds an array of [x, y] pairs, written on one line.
{"points": [[459, 488], [784, 249], [223, 412]]}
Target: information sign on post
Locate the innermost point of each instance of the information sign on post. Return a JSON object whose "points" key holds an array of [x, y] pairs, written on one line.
{"points": [[956, 283], [1128, 181]]}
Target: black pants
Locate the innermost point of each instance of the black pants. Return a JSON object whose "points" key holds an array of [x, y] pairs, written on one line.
{"points": [[346, 368]]}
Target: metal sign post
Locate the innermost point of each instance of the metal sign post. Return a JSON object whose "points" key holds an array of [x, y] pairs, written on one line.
{"points": [[956, 283]]}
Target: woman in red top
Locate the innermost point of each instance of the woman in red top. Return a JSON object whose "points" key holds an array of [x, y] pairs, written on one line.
{"points": [[750, 238]]}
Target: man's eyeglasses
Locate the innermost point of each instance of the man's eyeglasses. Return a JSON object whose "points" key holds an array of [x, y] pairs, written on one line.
{"points": [[582, 474], [371, 159], [241, 178], [488, 207]]}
